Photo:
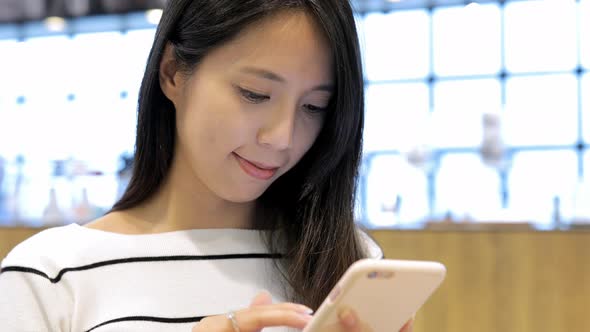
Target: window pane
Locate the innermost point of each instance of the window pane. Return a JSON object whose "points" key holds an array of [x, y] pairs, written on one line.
{"points": [[467, 188], [536, 178], [541, 110], [47, 120], [98, 62], [100, 132], [12, 128], [540, 35], [584, 13], [467, 40], [581, 209], [45, 59], [29, 190], [397, 45], [9, 92], [9, 48], [108, 99], [394, 115], [458, 110], [41, 113], [360, 28], [586, 107], [136, 46], [392, 183]]}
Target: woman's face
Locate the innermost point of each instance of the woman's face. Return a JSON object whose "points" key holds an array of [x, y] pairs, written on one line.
{"points": [[253, 107]]}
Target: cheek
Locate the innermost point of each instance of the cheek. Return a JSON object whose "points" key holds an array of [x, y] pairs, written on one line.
{"points": [[215, 123], [307, 133]]}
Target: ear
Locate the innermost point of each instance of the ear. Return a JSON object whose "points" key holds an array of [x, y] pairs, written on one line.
{"points": [[170, 77]]}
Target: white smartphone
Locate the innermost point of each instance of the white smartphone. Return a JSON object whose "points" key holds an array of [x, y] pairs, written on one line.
{"points": [[384, 293]]}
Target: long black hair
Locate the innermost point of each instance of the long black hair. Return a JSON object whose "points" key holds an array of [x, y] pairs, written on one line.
{"points": [[311, 206]]}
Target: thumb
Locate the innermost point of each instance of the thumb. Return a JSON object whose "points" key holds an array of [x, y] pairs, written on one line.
{"points": [[261, 298]]}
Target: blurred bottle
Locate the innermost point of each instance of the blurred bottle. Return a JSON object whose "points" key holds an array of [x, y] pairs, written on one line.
{"points": [[493, 151], [55, 212], [82, 210], [557, 215], [394, 209], [421, 157], [14, 200], [53, 215]]}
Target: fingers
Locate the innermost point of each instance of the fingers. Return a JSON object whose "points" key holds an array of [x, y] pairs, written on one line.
{"points": [[299, 308], [349, 320], [258, 317], [351, 323], [268, 317], [261, 298], [408, 327]]}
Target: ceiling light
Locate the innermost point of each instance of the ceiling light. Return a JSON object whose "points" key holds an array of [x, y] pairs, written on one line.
{"points": [[153, 16], [55, 23]]}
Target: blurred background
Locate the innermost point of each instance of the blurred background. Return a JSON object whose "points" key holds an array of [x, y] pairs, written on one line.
{"points": [[475, 111], [476, 149]]}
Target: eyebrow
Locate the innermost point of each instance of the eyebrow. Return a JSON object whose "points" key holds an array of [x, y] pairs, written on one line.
{"points": [[269, 75]]}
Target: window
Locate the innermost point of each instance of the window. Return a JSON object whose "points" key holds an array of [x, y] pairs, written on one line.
{"points": [[396, 192], [542, 110], [45, 84], [586, 108], [584, 35], [459, 107], [394, 115], [9, 85], [466, 188], [431, 75], [466, 40], [537, 179], [581, 208], [75, 98], [397, 45], [540, 36], [519, 59]]}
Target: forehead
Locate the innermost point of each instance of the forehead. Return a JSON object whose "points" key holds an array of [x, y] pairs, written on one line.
{"points": [[290, 42]]}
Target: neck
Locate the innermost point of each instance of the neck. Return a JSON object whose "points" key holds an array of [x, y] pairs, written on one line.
{"points": [[184, 202]]}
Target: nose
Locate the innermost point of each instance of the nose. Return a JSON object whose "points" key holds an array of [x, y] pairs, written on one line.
{"points": [[278, 128]]}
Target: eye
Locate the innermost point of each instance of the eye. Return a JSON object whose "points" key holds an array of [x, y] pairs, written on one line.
{"points": [[314, 109], [252, 97]]}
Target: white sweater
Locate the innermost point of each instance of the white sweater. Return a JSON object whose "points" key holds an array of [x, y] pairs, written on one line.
{"points": [[76, 279]]}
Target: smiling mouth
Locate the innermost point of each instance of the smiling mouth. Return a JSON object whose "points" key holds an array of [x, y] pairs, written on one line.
{"points": [[255, 170]]}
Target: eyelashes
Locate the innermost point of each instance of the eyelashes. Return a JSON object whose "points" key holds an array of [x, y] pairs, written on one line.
{"points": [[257, 98], [252, 96], [315, 109]]}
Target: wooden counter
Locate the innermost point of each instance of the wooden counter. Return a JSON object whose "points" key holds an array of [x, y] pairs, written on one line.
{"points": [[497, 281], [501, 281]]}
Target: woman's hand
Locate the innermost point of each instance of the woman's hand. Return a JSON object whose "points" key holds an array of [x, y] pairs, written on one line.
{"points": [[261, 313], [350, 323]]}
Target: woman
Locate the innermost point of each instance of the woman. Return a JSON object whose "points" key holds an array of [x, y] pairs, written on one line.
{"points": [[248, 146]]}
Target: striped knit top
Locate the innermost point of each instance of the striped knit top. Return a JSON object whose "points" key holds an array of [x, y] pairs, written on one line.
{"points": [[77, 279]]}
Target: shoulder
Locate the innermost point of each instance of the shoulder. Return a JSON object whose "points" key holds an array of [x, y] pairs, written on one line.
{"points": [[45, 251], [371, 247]]}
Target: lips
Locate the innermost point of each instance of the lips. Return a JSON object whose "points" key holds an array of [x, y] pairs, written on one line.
{"points": [[256, 170]]}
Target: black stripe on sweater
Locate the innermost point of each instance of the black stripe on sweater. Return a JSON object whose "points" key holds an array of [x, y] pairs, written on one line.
{"points": [[135, 260], [149, 319]]}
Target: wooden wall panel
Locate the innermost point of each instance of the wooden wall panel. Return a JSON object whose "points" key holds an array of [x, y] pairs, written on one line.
{"points": [[501, 281]]}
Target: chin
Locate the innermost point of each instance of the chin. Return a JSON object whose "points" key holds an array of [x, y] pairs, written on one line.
{"points": [[242, 196]]}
